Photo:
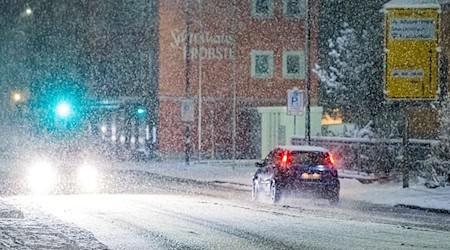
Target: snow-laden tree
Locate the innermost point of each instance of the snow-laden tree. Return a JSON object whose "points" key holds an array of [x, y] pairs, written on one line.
{"points": [[349, 78], [436, 167]]}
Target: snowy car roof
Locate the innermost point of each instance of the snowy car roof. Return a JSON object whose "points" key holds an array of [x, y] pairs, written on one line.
{"points": [[303, 148], [417, 4]]}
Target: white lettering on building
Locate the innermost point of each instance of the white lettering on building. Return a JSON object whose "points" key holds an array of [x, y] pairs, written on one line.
{"points": [[205, 45]]}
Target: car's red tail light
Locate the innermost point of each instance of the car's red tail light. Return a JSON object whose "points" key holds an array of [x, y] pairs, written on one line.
{"points": [[285, 158], [331, 159]]}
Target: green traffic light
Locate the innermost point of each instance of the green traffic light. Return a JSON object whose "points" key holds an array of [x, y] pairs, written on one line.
{"points": [[141, 111], [64, 109]]}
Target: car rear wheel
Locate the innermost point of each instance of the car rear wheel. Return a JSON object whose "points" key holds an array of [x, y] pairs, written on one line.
{"points": [[274, 192], [332, 192], [333, 197]]}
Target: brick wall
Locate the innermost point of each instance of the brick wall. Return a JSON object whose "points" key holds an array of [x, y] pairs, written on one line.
{"points": [[213, 40]]}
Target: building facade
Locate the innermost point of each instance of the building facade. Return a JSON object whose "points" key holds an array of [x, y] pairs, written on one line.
{"points": [[242, 55]]}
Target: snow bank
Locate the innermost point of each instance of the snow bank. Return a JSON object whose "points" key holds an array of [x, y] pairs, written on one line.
{"points": [[37, 230], [9, 211], [417, 195]]}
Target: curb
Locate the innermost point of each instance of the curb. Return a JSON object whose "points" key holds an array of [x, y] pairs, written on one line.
{"points": [[427, 209]]}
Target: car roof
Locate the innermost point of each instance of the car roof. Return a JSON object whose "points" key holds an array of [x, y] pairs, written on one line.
{"points": [[303, 148]]}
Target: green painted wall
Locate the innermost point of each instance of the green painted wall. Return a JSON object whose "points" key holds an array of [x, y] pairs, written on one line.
{"points": [[277, 127]]}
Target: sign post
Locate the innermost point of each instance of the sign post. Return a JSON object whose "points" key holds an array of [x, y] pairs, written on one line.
{"points": [[411, 72], [295, 104], [186, 104], [187, 117]]}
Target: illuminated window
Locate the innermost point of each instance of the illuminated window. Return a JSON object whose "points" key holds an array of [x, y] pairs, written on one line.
{"points": [[262, 64], [262, 8], [293, 65], [295, 8]]}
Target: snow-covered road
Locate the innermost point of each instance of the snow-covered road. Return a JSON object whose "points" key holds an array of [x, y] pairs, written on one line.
{"points": [[162, 221], [171, 213]]}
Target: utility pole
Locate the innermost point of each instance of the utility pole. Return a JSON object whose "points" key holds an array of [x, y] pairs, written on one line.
{"points": [[308, 74], [200, 76], [234, 30], [187, 146]]}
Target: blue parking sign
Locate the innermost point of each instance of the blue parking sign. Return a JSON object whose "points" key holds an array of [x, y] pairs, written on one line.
{"points": [[295, 105]]}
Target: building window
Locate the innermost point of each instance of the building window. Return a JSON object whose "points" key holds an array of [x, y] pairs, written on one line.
{"points": [[295, 8], [262, 64], [293, 65], [262, 8]]}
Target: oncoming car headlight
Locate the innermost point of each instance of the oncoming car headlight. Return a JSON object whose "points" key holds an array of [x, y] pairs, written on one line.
{"points": [[88, 178], [41, 177]]}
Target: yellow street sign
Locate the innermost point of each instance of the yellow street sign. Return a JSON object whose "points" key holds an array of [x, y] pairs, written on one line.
{"points": [[411, 52]]}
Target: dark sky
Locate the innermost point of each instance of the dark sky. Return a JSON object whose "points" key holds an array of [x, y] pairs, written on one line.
{"points": [[103, 44]]}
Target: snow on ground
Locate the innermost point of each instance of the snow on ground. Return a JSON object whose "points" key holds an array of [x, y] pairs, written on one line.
{"points": [[39, 231], [158, 221], [417, 195], [8, 211], [35, 231], [351, 189]]}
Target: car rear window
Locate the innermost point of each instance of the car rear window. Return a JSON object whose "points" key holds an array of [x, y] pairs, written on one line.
{"points": [[309, 158]]}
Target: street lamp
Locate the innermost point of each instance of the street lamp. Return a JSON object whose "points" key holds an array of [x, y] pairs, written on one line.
{"points": [[28, 11], [17, 97]]}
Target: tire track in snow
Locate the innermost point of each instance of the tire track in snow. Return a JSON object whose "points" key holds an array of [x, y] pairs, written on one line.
{"points": [[263, 242]]}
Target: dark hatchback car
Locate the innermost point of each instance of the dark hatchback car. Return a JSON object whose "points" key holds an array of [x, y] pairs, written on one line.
{"points": [[297, 169]]}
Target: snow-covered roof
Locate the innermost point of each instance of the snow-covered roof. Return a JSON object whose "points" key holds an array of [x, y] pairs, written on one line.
{"points": [[416, 4], [303, 148]]}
